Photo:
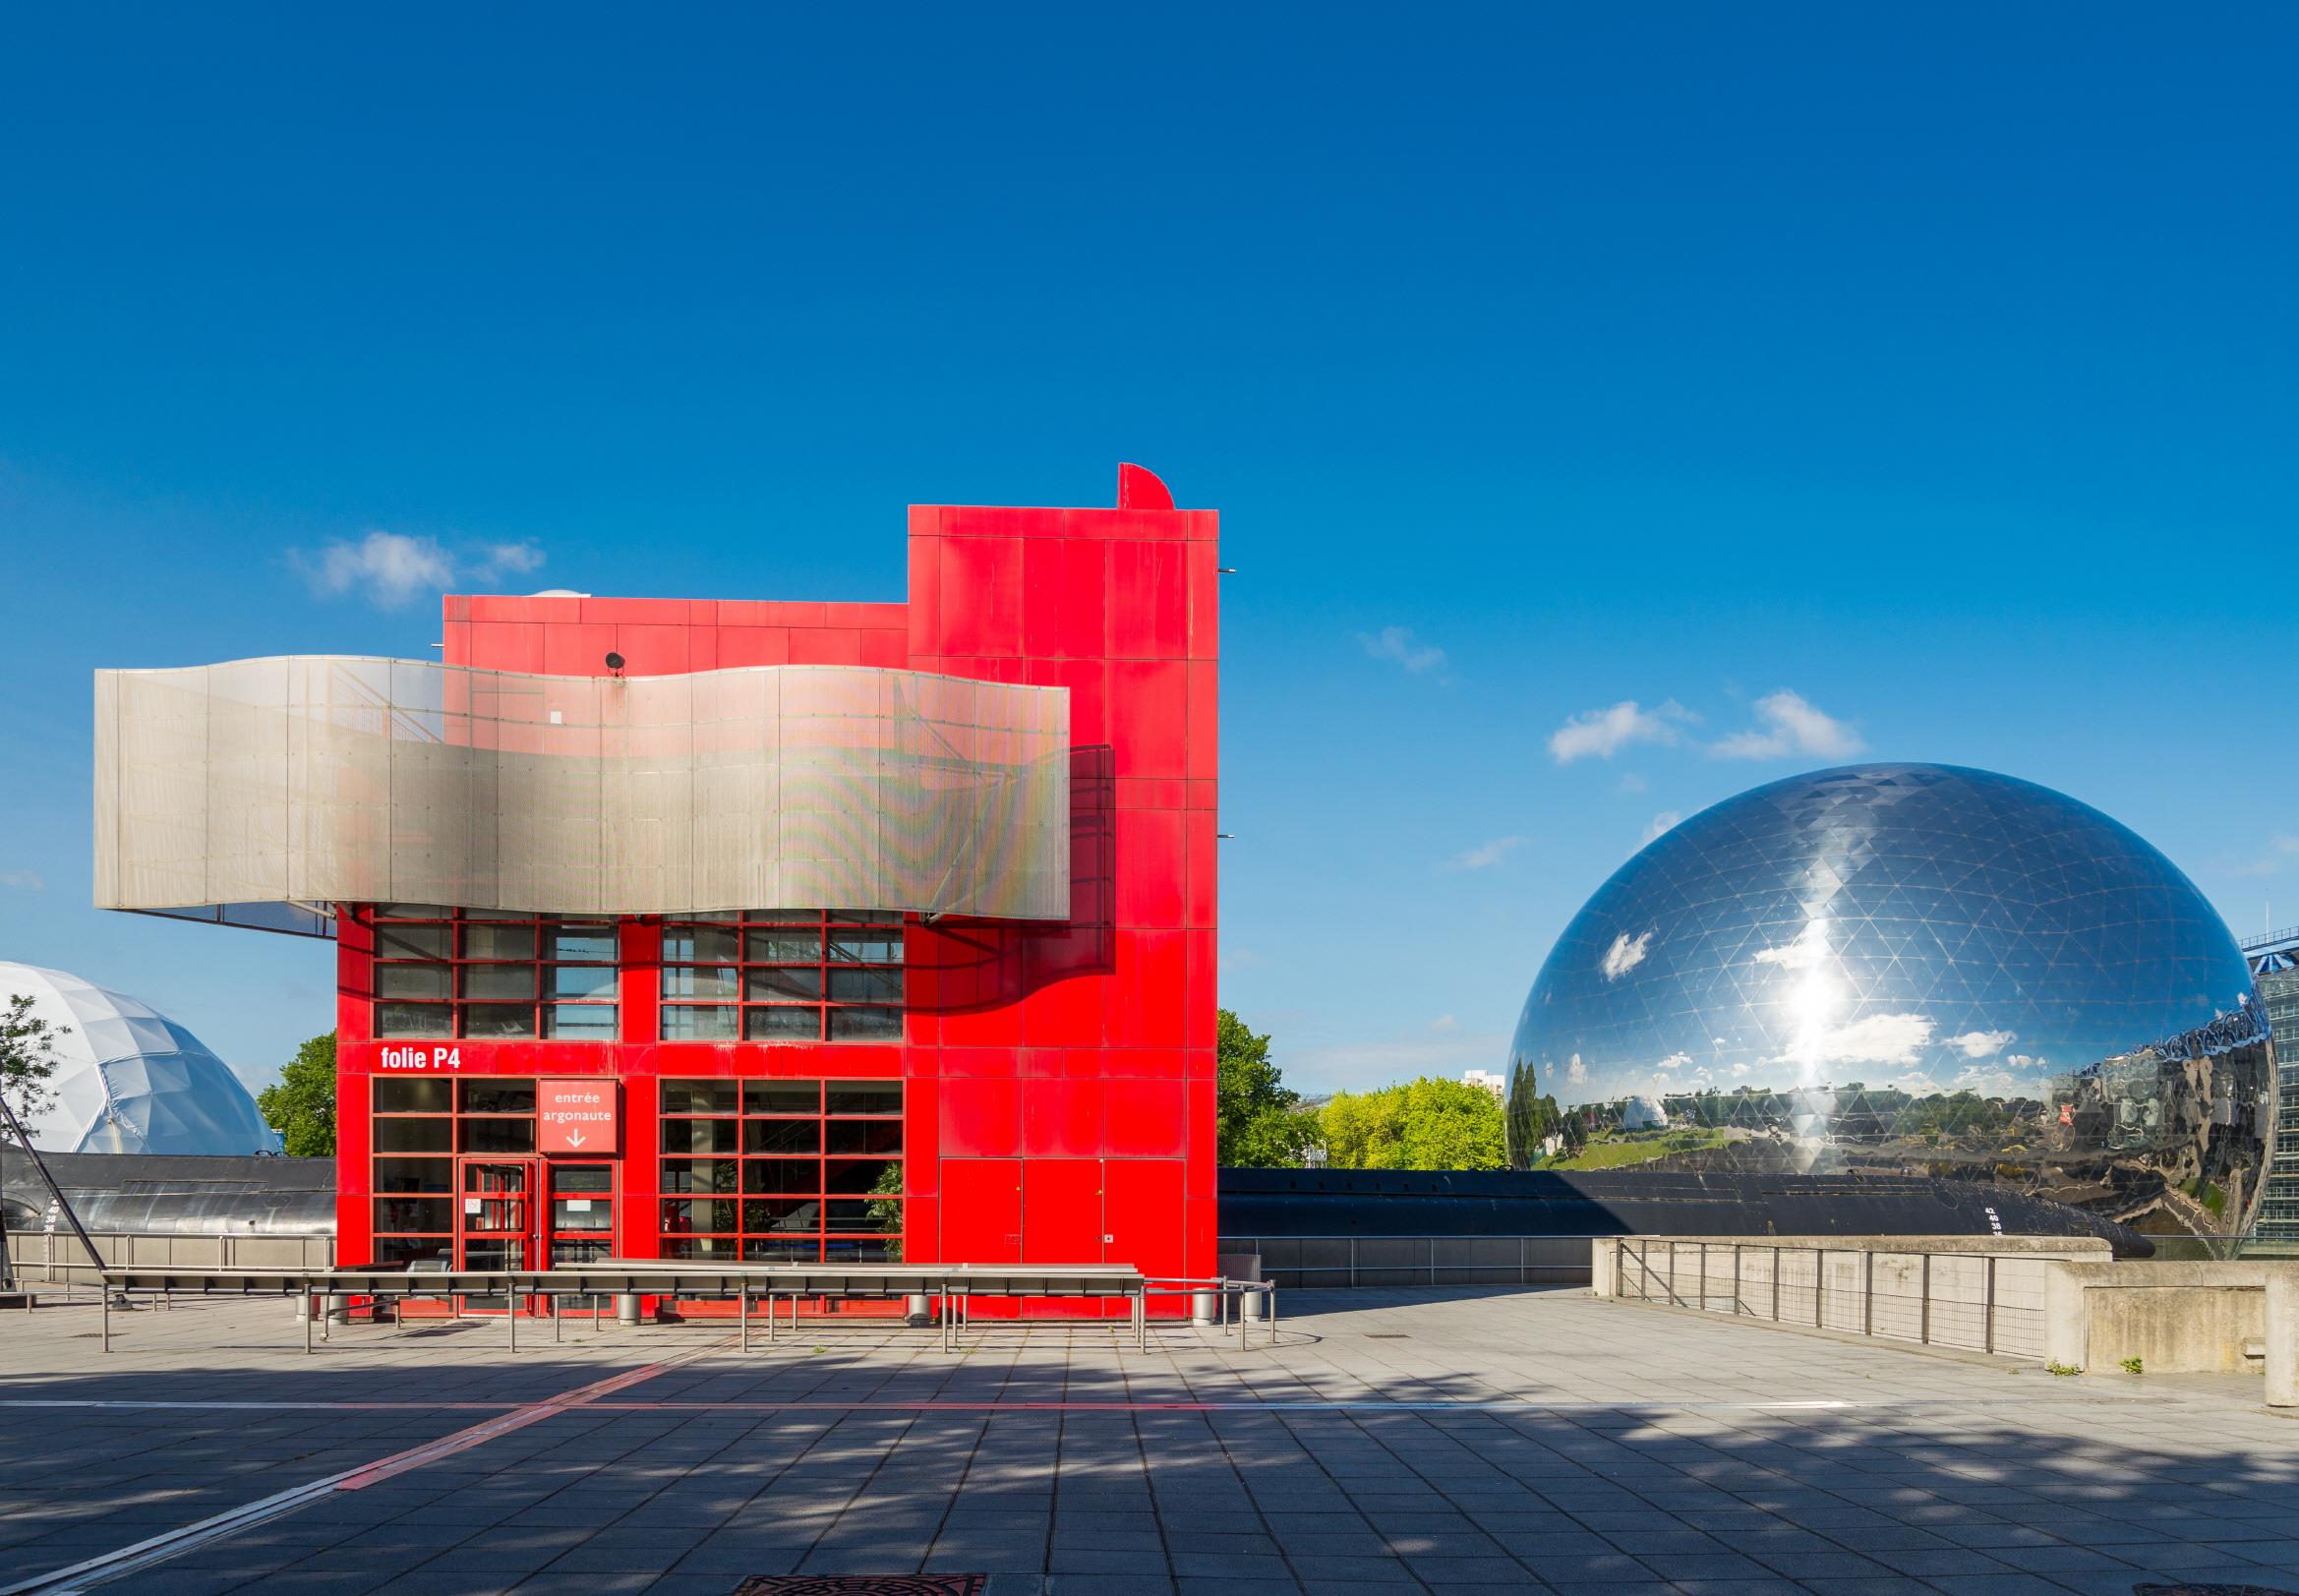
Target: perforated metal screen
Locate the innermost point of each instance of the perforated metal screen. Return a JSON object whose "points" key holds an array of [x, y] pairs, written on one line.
{"points": [[322, 779]]}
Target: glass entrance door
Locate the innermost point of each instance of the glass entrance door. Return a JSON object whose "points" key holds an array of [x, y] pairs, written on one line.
{"points": [[494, 1221]]}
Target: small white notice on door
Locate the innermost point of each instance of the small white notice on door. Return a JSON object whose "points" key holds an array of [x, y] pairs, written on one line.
{"points": [[470, 1205], [578, 1205]]}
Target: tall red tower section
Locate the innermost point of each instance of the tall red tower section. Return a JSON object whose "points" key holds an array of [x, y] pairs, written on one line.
{"points": [[1058, 1078]]}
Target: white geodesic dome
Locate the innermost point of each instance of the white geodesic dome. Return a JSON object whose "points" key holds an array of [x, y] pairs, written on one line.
{"points": [[131, 1080]]}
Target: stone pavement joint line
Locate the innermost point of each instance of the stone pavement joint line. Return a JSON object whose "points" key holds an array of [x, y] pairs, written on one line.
{"points": [[931, 1405], [173, 1543]]}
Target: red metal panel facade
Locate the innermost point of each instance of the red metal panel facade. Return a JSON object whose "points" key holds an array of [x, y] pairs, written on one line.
{"points": [[1058, 1078]]}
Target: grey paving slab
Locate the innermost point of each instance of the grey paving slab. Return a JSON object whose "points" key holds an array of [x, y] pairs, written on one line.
{"points": [[1456, 1442]]}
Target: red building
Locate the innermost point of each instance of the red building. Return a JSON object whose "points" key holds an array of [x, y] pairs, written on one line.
{"points": [[822, 1082]]}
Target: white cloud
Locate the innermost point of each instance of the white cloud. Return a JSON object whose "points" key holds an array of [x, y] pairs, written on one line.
{"points": [[1444, 1024], [1982, 1044], [1790, 724], [1875, 1039], [1603, 733], [1631, 782], [1576, 1072], [2279, 854], [1992, 1081], [392, 569], [1396, 643], [1625, 955], [1740, 1069], [1486, 854], [494, 561], [23, 880], [1808, 949], [2023, 1061], [1660, 825], [1675, 1061]]}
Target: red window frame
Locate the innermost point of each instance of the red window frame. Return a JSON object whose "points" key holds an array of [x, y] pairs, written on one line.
{"points": [[770, 1157], [585, 1012], [464, 1132], [857, 997]]}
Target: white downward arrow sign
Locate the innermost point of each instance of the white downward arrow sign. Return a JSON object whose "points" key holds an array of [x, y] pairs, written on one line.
{"points": [[574, 1138]]}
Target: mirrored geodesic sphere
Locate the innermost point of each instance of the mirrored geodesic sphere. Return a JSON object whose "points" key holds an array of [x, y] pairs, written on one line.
{"points": [[1910, 969]]}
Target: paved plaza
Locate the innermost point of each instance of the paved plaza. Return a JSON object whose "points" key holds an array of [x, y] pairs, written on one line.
{"points": [[1457, 1441]]}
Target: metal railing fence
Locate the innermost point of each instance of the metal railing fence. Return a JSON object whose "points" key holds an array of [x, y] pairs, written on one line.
{"points": [[1982, 1302], [1294, 1262], [56, 1258]]}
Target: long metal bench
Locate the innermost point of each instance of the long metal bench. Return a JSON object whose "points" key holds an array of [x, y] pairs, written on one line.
{"points": [[957, 1286]]}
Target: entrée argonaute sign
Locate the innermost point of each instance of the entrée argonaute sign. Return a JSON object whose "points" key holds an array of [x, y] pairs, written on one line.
{"points": [[577, 1116]]}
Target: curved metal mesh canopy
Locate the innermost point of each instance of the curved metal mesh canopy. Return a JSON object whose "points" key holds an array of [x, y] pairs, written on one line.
{"points": [[227, 790]]}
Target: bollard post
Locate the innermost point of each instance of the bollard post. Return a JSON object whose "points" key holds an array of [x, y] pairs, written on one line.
{"points": [[1736, 1279], [1987, 1306], [554, 1301], [510, 1310], [2283, 1335], [743, 1312], [1924, 1328]]}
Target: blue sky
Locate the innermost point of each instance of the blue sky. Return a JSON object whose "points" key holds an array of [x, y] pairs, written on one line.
{"points": [[1932, 368]]}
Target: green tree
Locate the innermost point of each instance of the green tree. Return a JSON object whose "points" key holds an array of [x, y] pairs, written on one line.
{"points": [[1259, 1117], [1420, 1124], [301, 1107], [28, 1059]]}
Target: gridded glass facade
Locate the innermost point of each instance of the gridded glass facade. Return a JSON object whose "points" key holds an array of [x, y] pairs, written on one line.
{"points": [[1912, 968], [782, 1171], [2278, 990], [784, 976], [486, 977]]}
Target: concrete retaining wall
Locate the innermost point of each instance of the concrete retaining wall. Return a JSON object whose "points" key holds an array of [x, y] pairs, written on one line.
{"points": [[2176, 1317]]}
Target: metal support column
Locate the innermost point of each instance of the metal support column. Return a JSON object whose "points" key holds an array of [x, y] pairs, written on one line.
{"points": [[1776, 1285], [1736, 1279], [1924, 1319], [1987, 1306], [1867, 1291]]}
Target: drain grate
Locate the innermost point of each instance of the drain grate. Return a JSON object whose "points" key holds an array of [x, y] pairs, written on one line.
{"points": [[863, 1584]]}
